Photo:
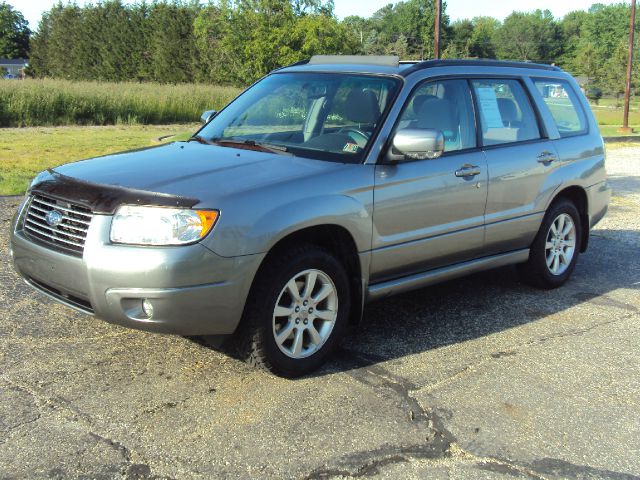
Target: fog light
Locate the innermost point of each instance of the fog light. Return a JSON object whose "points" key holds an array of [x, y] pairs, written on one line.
{"points": [[147, 308]]}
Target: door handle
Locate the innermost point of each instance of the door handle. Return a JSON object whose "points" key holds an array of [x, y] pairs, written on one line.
{"points": [[546, 157], [468, 171]]}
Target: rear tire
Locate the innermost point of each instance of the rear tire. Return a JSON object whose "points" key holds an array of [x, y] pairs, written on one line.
{"points": [[555, 250], [296, 312]]}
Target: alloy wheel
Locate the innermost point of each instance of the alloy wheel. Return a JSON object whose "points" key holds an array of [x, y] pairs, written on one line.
{"points": [[305, 313], [560, 246]]}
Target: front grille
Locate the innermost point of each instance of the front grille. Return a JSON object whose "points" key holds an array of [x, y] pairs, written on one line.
{"points": [[65, 231]]}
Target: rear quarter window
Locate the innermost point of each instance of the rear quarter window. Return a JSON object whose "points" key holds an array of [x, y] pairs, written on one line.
{"points": [[564, 105]]}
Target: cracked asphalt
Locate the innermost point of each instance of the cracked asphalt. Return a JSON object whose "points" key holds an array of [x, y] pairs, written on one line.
{"points": [[482, 377]]}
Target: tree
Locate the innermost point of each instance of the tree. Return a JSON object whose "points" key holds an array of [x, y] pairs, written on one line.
{"points": [[39, 59], [172, 42], [587, 63], [66, 44], [531, 37], [601, 49], [483, 39], [461, 35], [400, 47], [358, 30], [111, 41], [14, 33], [614, 73], [571, 28], [238, 41]]}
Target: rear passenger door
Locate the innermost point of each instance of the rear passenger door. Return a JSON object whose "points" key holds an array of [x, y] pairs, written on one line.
{"points": [[519, 159]]}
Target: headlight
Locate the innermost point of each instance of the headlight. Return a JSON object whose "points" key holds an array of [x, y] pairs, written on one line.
{"points": [[160, 226]]}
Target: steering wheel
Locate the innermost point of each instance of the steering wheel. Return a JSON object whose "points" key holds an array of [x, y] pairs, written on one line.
{"points": [[363, 137]]}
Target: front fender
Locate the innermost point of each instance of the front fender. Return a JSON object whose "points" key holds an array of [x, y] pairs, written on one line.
{"points": [[340, 210], [253, 222]]}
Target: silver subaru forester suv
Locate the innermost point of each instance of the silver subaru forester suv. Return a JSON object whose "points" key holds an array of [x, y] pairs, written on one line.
{"points": [[327, 184]]}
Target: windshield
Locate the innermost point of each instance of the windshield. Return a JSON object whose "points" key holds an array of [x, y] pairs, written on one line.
{"points": [[316, 115]]}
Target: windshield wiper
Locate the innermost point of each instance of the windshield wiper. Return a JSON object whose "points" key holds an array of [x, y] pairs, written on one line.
{"points": [[251, 145], [200, 139]]}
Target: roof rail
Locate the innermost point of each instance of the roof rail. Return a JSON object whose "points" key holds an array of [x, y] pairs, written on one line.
{"points": [[379, 60], [478, 63]]}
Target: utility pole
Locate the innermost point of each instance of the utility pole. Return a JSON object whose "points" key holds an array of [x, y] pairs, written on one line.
{"points": [[436, 49], [627, 93]]}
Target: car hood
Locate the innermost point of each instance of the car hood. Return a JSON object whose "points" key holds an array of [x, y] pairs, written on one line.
{"points": [[193, 170]]}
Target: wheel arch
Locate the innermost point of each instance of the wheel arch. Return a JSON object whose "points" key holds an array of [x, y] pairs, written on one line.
{"points": [[338, 241], [578, 196]]}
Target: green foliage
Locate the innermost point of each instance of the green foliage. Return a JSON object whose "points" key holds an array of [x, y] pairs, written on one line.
{"points": [[63, 102], [483, 40], [571, 27], [176, 41], [597, 46], [235, 42], [530, 36], [14, 33]]}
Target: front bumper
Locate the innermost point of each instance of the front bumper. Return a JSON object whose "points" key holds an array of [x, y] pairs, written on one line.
{"points": [[193, 291]]}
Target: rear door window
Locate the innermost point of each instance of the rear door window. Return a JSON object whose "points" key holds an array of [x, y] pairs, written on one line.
{"points": [[506, 114], [564, 106]]}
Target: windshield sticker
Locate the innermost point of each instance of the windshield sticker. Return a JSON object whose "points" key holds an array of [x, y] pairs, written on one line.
{"points": [[489, 107], [351, 148]]}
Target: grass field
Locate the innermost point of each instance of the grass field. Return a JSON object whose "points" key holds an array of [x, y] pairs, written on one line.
{"points": [[609, 117], [26, 151], [59, 102]]}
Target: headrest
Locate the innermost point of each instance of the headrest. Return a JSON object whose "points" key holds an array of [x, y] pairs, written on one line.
{"points": [[508, 110], [419, 100], [436, 113], [362, 106]]}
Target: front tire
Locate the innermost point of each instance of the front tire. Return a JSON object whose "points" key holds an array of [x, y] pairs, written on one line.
{"points": [[555, 250], [296, 312]]}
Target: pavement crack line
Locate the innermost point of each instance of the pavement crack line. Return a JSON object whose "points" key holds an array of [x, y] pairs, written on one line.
{"points": [[42, 400], [7, 433], [517, 348], [119, 447], [440, 444], [368, 463]]}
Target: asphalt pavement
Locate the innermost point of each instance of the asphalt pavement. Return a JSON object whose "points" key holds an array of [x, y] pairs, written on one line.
{"points": [[481, 377]]}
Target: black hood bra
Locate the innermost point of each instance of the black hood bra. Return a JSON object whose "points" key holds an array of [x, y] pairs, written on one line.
{"points": [[103, 199]]}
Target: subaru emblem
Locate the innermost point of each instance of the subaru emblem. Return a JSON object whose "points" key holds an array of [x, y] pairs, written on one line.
{"points": [[53, 218]]}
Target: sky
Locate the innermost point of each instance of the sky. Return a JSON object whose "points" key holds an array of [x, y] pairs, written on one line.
{"points": [[456, 9]]}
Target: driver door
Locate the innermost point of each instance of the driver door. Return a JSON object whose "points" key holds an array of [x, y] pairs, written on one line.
{"points": [[430, 213]]}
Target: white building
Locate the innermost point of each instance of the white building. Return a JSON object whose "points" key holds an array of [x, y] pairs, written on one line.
{"points": [[13, 67]]}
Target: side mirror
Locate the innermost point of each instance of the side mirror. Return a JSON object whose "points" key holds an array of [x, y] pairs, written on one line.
{"points": [[416, 144], [208, 115]]}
